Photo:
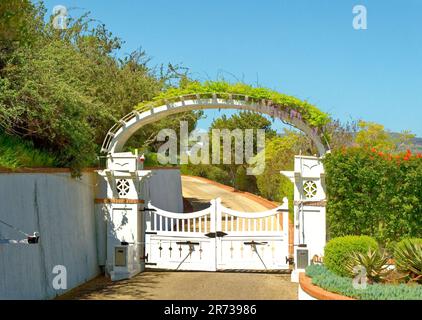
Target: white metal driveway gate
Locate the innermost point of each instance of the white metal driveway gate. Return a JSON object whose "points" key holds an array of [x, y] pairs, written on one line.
{"points": [[217, 238]]}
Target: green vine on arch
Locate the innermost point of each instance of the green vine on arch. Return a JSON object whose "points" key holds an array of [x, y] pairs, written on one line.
{"points": [[309, 113]]}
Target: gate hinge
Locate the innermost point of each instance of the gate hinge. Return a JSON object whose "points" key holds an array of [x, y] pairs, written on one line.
{"points": [[290, 260]]}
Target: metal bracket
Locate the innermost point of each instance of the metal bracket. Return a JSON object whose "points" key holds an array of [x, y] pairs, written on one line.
{"points": [[187, 243], [191, 249], [146, 210], [217, 234], [254, 243], [33, 239]]}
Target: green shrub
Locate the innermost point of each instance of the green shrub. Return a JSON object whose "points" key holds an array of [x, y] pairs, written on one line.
{"points": [[16, 152], [62, 91], [324, 278], [408, 258], [338, 251], [206, 171], [151, 160]]}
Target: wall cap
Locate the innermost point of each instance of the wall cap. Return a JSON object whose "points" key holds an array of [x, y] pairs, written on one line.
{"points": [[161, 168], [47, 170], [119, 201]]}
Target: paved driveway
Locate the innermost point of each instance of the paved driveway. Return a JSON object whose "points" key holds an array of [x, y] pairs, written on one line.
{"points": [[199, 192], [190, 286]]}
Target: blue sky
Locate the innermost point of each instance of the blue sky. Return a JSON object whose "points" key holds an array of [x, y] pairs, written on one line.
{"points": [[306, 48]]}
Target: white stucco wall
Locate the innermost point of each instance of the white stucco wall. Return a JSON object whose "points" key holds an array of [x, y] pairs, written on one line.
{"points": [[62, 210]]}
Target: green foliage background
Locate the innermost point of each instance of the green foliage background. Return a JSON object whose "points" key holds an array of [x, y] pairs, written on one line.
{"points": [[61, 90]]}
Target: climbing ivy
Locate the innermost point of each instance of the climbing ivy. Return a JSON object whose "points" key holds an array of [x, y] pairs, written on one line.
{"points": [[309, 113]]}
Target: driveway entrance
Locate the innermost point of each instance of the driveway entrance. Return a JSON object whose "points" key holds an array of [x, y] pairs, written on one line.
{"points": [[189, 286]]}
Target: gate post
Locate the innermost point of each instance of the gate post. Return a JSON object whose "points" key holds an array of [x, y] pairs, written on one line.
{"points": [[215, 216], [309, 211], [118, 206], [286, 218]]}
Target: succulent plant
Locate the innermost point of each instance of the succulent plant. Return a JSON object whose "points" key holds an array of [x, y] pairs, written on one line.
{"points": [[374, 261], [408, 257]]}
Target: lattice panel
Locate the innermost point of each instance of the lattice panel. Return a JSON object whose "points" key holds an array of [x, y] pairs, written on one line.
{"points": [[310, 189], [123, 187]]}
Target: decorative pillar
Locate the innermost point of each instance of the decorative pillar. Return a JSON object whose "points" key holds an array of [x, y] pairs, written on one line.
{"points": [[119, 207], [309, 211]]}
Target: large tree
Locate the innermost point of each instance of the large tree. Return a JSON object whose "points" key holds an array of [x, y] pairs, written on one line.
{"points": [[62, 90], [279, 155], [242, 120], [374, 135]]}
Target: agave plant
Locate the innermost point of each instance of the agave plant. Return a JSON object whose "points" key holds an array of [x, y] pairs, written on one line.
{"points": [[375, 263], [408, 258]]}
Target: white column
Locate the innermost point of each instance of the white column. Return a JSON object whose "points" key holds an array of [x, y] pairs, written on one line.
{"points": [[309, 208], [125, 224]]}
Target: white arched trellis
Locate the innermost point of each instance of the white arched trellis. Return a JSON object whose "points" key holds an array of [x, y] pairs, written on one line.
{"points": [[124, 194], [120, 133]]}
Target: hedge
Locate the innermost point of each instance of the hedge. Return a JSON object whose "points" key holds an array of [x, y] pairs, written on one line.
{"points": [[373, 193]]}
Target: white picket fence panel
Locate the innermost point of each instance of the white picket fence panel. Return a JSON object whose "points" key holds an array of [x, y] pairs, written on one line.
{"points": [[217, 238]]}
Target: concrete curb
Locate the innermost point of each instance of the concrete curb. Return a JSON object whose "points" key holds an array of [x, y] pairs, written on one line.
{"points": [[316, 292]]}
